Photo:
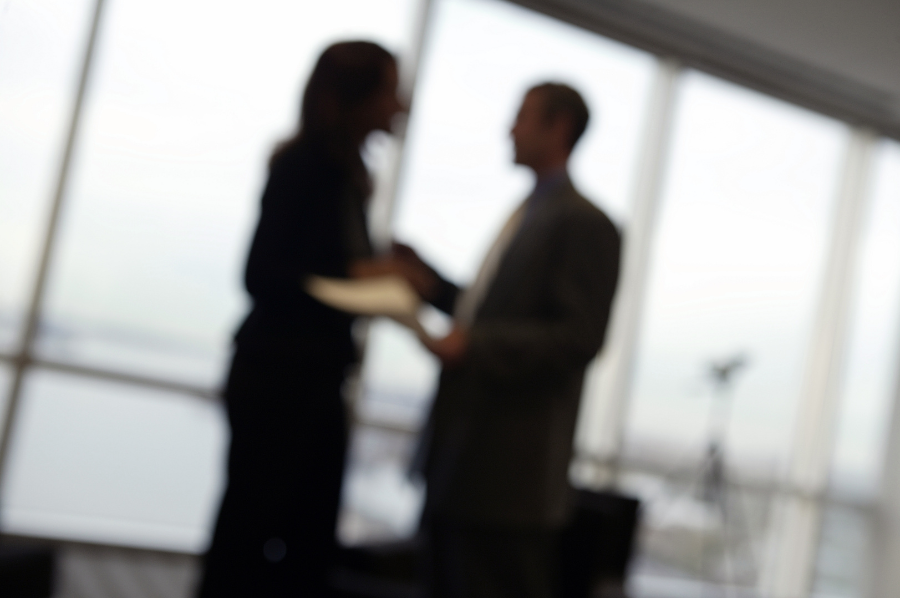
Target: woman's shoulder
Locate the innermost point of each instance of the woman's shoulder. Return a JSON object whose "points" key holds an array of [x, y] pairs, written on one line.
{"points": [[303, 156], [302, 169]]}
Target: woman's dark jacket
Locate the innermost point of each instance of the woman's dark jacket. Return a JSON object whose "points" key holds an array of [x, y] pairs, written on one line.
{"points": [[312, 222]]}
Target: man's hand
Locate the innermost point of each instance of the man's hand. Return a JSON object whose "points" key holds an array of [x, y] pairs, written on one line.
{"points": [[451, 349]]}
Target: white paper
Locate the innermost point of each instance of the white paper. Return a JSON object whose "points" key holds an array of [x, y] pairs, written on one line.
{"points": [[387, 296]]}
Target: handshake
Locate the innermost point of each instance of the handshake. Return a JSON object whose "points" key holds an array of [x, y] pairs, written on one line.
{"points": [[393, 285], [404, 262]]}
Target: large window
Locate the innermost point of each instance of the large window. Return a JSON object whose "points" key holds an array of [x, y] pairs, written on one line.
{"points": [[119, 437], [736, 269], [169, 169]]}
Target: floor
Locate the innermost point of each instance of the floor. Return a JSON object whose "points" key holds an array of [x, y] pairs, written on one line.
{"points": [[86, 571]]}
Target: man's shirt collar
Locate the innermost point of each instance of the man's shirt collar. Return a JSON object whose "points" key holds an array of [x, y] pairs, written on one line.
{"points": [[549, 182]]}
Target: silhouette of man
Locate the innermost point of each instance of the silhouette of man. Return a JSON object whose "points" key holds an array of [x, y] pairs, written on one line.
{"points": [[498, 443]]}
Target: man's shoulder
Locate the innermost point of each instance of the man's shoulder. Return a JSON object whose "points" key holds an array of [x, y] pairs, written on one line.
{"points": [[580, 212]]}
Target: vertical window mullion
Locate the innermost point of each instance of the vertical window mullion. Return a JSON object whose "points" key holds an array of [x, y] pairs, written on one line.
{"points": [[795, 533], [608, 382], [384, 199], [382, 207]]}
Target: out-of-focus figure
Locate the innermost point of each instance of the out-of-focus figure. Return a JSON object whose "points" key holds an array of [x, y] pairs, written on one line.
{"points": [[275, 531], [499, 438]]}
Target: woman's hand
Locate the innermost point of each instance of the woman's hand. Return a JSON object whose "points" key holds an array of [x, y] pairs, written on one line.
{"points": [[416, 273]]}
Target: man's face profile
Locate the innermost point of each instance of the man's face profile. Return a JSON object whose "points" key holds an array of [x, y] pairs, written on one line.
{"points": [[529, 130], [536, 138]]}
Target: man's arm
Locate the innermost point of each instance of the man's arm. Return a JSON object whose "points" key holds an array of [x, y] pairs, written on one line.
{"points": [[430, 285]]}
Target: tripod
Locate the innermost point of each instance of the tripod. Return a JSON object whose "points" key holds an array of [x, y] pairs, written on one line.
{"points": [[714, 490]]}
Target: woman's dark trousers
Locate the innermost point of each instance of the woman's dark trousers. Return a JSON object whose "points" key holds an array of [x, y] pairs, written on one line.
{"points": [[275, 534]]}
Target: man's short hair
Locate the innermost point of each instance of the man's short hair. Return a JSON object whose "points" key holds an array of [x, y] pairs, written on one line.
{"points": [[559, 99]]}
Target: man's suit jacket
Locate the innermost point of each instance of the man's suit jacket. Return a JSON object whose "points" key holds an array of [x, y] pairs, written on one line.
{"points": [[502, 424]]}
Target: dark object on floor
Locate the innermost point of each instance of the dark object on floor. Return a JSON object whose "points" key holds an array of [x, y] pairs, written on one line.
{"points": [[389, 570], [26, 569], [596, 547], [595, 550]]}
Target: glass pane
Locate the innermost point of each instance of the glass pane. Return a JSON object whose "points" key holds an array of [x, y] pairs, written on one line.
{"points": [[104, 462], [844, 552], [41, 46], [869, 383], [398, 375], [868, 391], [735, 275], [380, 503], [187, 101], [459, 183]]}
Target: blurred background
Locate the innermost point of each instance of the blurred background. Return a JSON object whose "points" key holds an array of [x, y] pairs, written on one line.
{"points": [[747, 150]]}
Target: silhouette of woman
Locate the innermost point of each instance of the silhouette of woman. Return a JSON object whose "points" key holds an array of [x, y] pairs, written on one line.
{"points": [[275, 531]]}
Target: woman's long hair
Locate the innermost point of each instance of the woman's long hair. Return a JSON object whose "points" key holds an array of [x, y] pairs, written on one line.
{"points": [[346, 75]]}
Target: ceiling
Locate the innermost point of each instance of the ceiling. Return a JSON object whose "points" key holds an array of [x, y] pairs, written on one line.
{"points": [[840, 57], [856, 39]]}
